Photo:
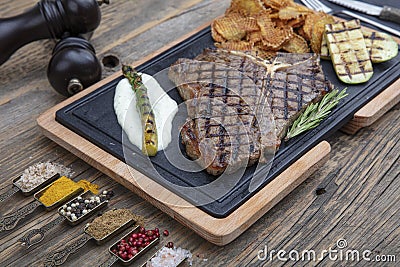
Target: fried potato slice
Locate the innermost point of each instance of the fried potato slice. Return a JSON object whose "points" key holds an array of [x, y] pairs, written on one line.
{"points": [[249, 24], [229, 28], [273, 36], [254, 37], [273, 15], [275, 4], [270, 25], [233, 27], [318, 31], [246, 7], [216, 36], [300, 31], [309, 22], [235, 45], [294, 23], [265, 54], [292, 12], [297, 22], [296, 44]]}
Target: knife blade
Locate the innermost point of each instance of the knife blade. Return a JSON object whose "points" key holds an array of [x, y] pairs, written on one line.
{"points": [[385, 12]]}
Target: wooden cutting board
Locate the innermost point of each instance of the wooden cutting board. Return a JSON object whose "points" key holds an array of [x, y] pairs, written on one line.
{"points": [[219, 231]]}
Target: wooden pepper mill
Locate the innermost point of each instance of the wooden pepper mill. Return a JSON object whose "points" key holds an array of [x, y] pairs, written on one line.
{"points": [[74, 66], [48, 19]]}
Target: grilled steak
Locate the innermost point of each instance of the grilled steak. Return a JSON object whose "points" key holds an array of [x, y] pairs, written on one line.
{"points": [[229, 98]]}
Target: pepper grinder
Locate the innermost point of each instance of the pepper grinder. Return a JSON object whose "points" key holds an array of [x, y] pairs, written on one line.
{"points": [[73, 66], [48, 19]]}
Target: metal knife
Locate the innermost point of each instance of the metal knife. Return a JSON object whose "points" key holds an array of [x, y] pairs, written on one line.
{"points": [[385, 12]]}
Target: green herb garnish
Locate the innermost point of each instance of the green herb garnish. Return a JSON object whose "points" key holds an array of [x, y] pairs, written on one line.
{"points": [[315, 113]]}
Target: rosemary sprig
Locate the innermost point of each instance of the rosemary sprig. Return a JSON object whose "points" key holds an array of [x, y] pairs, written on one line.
{"points": [[315, 113]]}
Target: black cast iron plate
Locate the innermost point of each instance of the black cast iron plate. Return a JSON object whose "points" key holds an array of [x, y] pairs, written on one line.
{"points": [[93, 118]]}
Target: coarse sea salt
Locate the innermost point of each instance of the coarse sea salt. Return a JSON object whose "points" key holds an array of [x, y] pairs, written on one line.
{"points": [[170, 257], [40, 172]]}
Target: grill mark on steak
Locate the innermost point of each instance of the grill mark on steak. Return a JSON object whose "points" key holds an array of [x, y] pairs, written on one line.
{"points": [[231, 98]]}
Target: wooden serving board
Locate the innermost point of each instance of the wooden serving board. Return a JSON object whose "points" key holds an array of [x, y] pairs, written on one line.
{"points": [[219, 231]]}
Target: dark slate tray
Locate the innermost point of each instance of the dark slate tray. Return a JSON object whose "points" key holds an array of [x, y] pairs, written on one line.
{"points": [[93, 118]]}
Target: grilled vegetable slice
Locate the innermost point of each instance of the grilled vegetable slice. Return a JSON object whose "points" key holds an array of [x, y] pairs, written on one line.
{"points": [[348, 52], [381, 46], [150, 139], [324, 49]]}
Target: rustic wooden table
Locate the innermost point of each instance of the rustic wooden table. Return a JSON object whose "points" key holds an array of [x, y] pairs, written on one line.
{"points": [[355, 196]]}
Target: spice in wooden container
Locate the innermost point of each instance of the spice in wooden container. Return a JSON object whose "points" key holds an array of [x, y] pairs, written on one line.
{"points": [[40, 172], [110, 221], [62, 188]]}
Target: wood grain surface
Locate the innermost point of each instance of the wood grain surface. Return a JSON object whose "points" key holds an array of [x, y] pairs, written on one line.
{"points": [[354, 196]]}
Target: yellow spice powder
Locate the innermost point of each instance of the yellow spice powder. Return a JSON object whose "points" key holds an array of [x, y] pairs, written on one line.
{"points": [[63, 187], [58, 190], [86, 185]]}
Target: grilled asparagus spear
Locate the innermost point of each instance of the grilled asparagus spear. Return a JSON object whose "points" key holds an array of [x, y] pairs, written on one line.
{"points": [[381, 46], [150, 139], [348, 52]]}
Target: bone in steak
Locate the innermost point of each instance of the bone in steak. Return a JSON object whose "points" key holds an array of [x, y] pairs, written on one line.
{"points": [[240, 106]]}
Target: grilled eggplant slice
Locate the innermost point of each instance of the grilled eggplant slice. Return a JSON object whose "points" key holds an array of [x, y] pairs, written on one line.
{"points": [[381, 46], [348, 52]]}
